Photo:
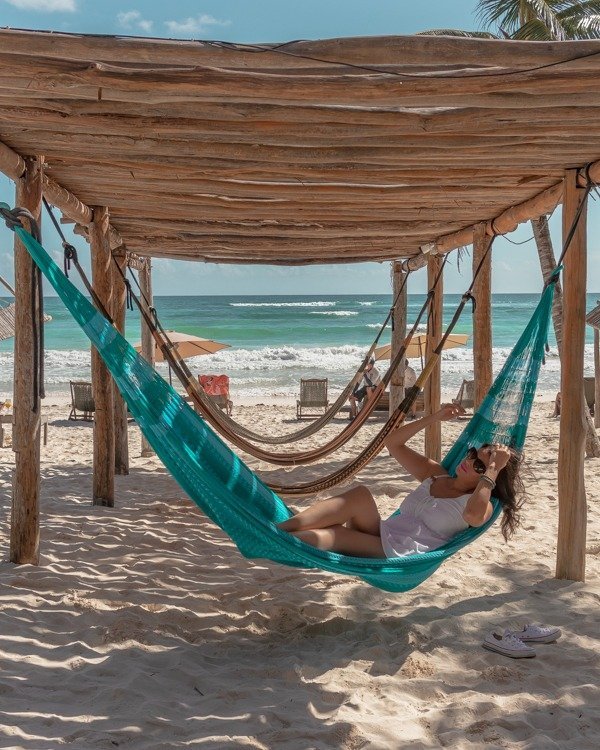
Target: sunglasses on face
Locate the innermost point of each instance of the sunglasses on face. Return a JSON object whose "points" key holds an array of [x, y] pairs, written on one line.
{"points": [[478, 464]]}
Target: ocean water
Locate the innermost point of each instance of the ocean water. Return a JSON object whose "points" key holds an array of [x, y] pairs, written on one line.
{"points": [[277, 340]]}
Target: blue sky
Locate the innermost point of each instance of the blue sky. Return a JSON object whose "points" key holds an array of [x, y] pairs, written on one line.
{"points": [[274, 21]]}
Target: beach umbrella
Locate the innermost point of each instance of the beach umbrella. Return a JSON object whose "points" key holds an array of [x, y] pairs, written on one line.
{"points": [[187, 346], [416, 348]]}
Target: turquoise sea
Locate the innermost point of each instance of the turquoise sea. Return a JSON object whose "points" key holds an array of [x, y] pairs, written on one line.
{"points": [[277, 340]]}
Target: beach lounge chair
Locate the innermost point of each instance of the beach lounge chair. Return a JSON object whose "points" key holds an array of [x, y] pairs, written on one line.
{"points": [[384, 403], [7, 419], [216, 388], [313, 395], [82, 401], [466, 395]]}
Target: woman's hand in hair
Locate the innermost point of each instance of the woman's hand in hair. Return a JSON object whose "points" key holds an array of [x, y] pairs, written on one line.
{"points": [[499, 456]]}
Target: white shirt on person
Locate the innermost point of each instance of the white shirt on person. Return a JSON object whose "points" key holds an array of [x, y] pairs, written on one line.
{"points": [[410, 377], [372, 377], [424, 523]]}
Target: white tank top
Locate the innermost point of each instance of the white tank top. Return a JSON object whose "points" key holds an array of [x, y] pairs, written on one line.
{"points": [[424, 522]]}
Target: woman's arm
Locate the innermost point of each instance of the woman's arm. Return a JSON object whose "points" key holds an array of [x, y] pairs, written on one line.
{"points": [[479, 506], [419, 466]]}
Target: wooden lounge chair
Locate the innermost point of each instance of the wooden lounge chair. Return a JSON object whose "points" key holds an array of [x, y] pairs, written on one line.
{"points": [[82, 401], [466, 395], [7, 419], [313, 395], [224, 403], [589, 389], [384, 403]]}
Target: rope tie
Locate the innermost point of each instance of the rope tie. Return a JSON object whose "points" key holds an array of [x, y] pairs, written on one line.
{"points": [[70, 255], [128, 295], [468, 296], [586, 174], [11, 218], [553, 278]]}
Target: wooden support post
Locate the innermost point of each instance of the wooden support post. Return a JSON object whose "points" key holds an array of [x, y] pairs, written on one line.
{"points": [[433, 387], [596, 377], [25, 522], [148, 344], [482, 315], [398, 333], [103, 492], [572, 511], [119, 405]]}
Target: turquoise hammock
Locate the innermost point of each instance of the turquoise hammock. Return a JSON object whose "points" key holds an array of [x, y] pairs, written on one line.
{"points": [[221, 484]]}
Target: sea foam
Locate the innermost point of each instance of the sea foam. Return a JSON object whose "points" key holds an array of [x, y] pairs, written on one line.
{"points": [[276, 370]]}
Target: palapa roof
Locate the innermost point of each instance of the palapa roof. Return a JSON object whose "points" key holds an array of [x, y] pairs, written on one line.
{"points": [[306, 152]]}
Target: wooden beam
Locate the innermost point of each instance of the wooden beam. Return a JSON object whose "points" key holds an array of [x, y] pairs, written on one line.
{"points": [[25, 524], [482, 314], [542, 203], [572, 507], [433, 387], [66, 202], [119, 405], [148, 343], [413, 52], [507, 221], [12, 164], [398, 334], [136, 262], [104, 434]]}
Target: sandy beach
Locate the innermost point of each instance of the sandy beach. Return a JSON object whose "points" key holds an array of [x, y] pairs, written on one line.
{"points": [[144, 628]]}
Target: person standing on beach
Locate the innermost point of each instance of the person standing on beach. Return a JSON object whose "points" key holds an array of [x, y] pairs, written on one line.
{"points": [[410, 378], [432, 514], [363, 391]]}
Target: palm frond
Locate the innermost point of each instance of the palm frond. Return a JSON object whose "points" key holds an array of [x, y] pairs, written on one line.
{"points": [[514, 14], [580, 7], [583, 28], [458, 32], [581, 20], [533, 31], [503, 13]]}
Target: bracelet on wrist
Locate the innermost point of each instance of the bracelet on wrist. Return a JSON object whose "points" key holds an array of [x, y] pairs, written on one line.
{"points": [[488, 480]]}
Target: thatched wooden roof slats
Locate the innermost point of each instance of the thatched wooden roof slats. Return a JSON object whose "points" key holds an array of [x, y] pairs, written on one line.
{"points": [[258, 154]]}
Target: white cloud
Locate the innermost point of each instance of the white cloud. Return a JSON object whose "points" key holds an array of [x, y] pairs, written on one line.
{"points": [[195, 25], [47, 6], [132, 19]]}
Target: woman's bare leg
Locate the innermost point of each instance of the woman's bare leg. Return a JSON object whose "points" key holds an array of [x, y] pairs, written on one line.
{"points": [[354, 507], [343, 540]]}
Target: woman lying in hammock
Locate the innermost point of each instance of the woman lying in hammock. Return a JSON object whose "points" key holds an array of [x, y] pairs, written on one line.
{"points": [[440, 507]]}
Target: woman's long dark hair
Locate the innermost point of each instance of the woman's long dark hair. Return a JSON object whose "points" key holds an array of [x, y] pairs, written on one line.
{"points": [[510, 491]]}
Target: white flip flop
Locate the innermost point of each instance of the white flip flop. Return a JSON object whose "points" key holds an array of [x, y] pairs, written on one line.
{"points": [[533, 633], [508, 645]]}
